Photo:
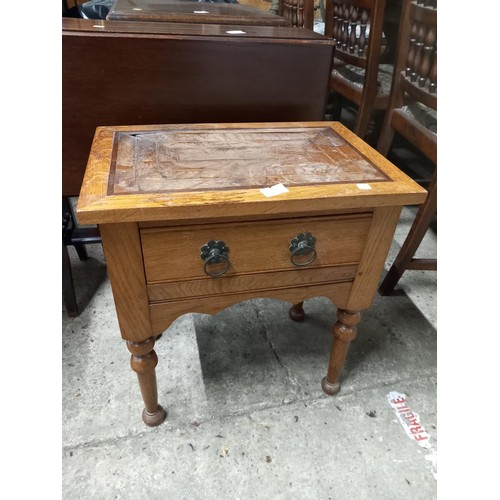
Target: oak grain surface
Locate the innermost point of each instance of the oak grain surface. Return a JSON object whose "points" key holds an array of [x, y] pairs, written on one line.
{"points": [[173, 254], [207, 287], [183, 160], [122, 250], [164, 313], [97, 204]]}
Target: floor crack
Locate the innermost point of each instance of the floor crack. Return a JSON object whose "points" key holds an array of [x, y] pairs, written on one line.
{"points": [[263, 331]]}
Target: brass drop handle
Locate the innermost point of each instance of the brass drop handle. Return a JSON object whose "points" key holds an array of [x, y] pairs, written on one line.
{"points": [[212, 253], [304, 244]]}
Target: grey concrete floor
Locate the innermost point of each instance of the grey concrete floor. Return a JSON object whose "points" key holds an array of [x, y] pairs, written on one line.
{"points": [[246, 414]]}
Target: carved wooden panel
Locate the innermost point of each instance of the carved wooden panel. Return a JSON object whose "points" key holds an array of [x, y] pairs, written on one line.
{"points": [[210, 160]]}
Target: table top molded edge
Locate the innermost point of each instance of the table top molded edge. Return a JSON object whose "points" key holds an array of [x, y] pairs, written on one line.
{"points": [[95, 206]]}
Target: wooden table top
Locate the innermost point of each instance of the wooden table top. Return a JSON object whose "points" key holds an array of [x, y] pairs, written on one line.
{"points": [[185, 11], [196, 30], [168, 172]]}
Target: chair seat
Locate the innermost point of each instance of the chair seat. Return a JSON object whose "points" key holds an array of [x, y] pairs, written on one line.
{"points": [[425, 116], [356, 75]]}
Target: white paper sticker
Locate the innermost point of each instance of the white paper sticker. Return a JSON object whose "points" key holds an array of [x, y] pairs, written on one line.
{"points": [[201, 12], [363, 186], [274, 190], [410, 422], [97, 26], [136, 8], [236, 32]]}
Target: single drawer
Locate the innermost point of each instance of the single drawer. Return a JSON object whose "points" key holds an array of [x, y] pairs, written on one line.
{"points": [[173, 253]]}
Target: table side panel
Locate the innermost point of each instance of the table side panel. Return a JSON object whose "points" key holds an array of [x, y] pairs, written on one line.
{"points": [[122, 250], [384, 222]]}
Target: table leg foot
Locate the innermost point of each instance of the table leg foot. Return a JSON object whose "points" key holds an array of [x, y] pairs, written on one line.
{"points": [[328, 388], [344, 332], [143, 361], [156, 418], [297, 313]]}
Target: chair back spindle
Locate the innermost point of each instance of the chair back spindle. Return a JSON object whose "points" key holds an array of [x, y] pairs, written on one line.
{"points": [[300, 13], [433, 75], [356, 26], [420, 70]]}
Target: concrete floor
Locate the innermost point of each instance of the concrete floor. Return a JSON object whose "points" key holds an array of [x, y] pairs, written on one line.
{"points": [[247, 418]]}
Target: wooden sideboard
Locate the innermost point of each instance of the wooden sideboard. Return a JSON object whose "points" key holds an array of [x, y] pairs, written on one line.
{"points": [[118, 73], [195, 218]]}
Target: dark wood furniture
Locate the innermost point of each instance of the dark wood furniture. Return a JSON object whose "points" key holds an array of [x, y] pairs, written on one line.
{"points": [[412, 113], [191, 221], [179, 11], [390, 28], [78, 237], [299, 13], [357, 75], [117, 73]]}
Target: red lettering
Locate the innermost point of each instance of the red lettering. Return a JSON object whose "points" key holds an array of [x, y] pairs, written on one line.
{"points": [[403, 409], [420, 437], [398, 401], [416, 430]]}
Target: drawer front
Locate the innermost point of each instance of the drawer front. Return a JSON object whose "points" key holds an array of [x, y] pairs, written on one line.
{"points": [[173, 254], [160, 292]]}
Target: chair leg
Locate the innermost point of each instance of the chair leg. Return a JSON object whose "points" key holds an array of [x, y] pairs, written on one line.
{"points": [[68, 285], [422, 221], [81, 250], [386, 136], [336, 107], [363, 118], [374, 127], [361, 125]]}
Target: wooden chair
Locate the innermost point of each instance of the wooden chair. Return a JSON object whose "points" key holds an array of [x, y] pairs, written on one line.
{"points": [[357, 72], [412, 113], [299, 12], [78, 237]]}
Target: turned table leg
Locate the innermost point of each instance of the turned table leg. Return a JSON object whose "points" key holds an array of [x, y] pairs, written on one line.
{"points": [[296, 312], [143, 361], [344, 332]]}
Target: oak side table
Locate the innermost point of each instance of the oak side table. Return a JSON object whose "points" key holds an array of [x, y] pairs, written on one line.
{"points": [[195, 218]]}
